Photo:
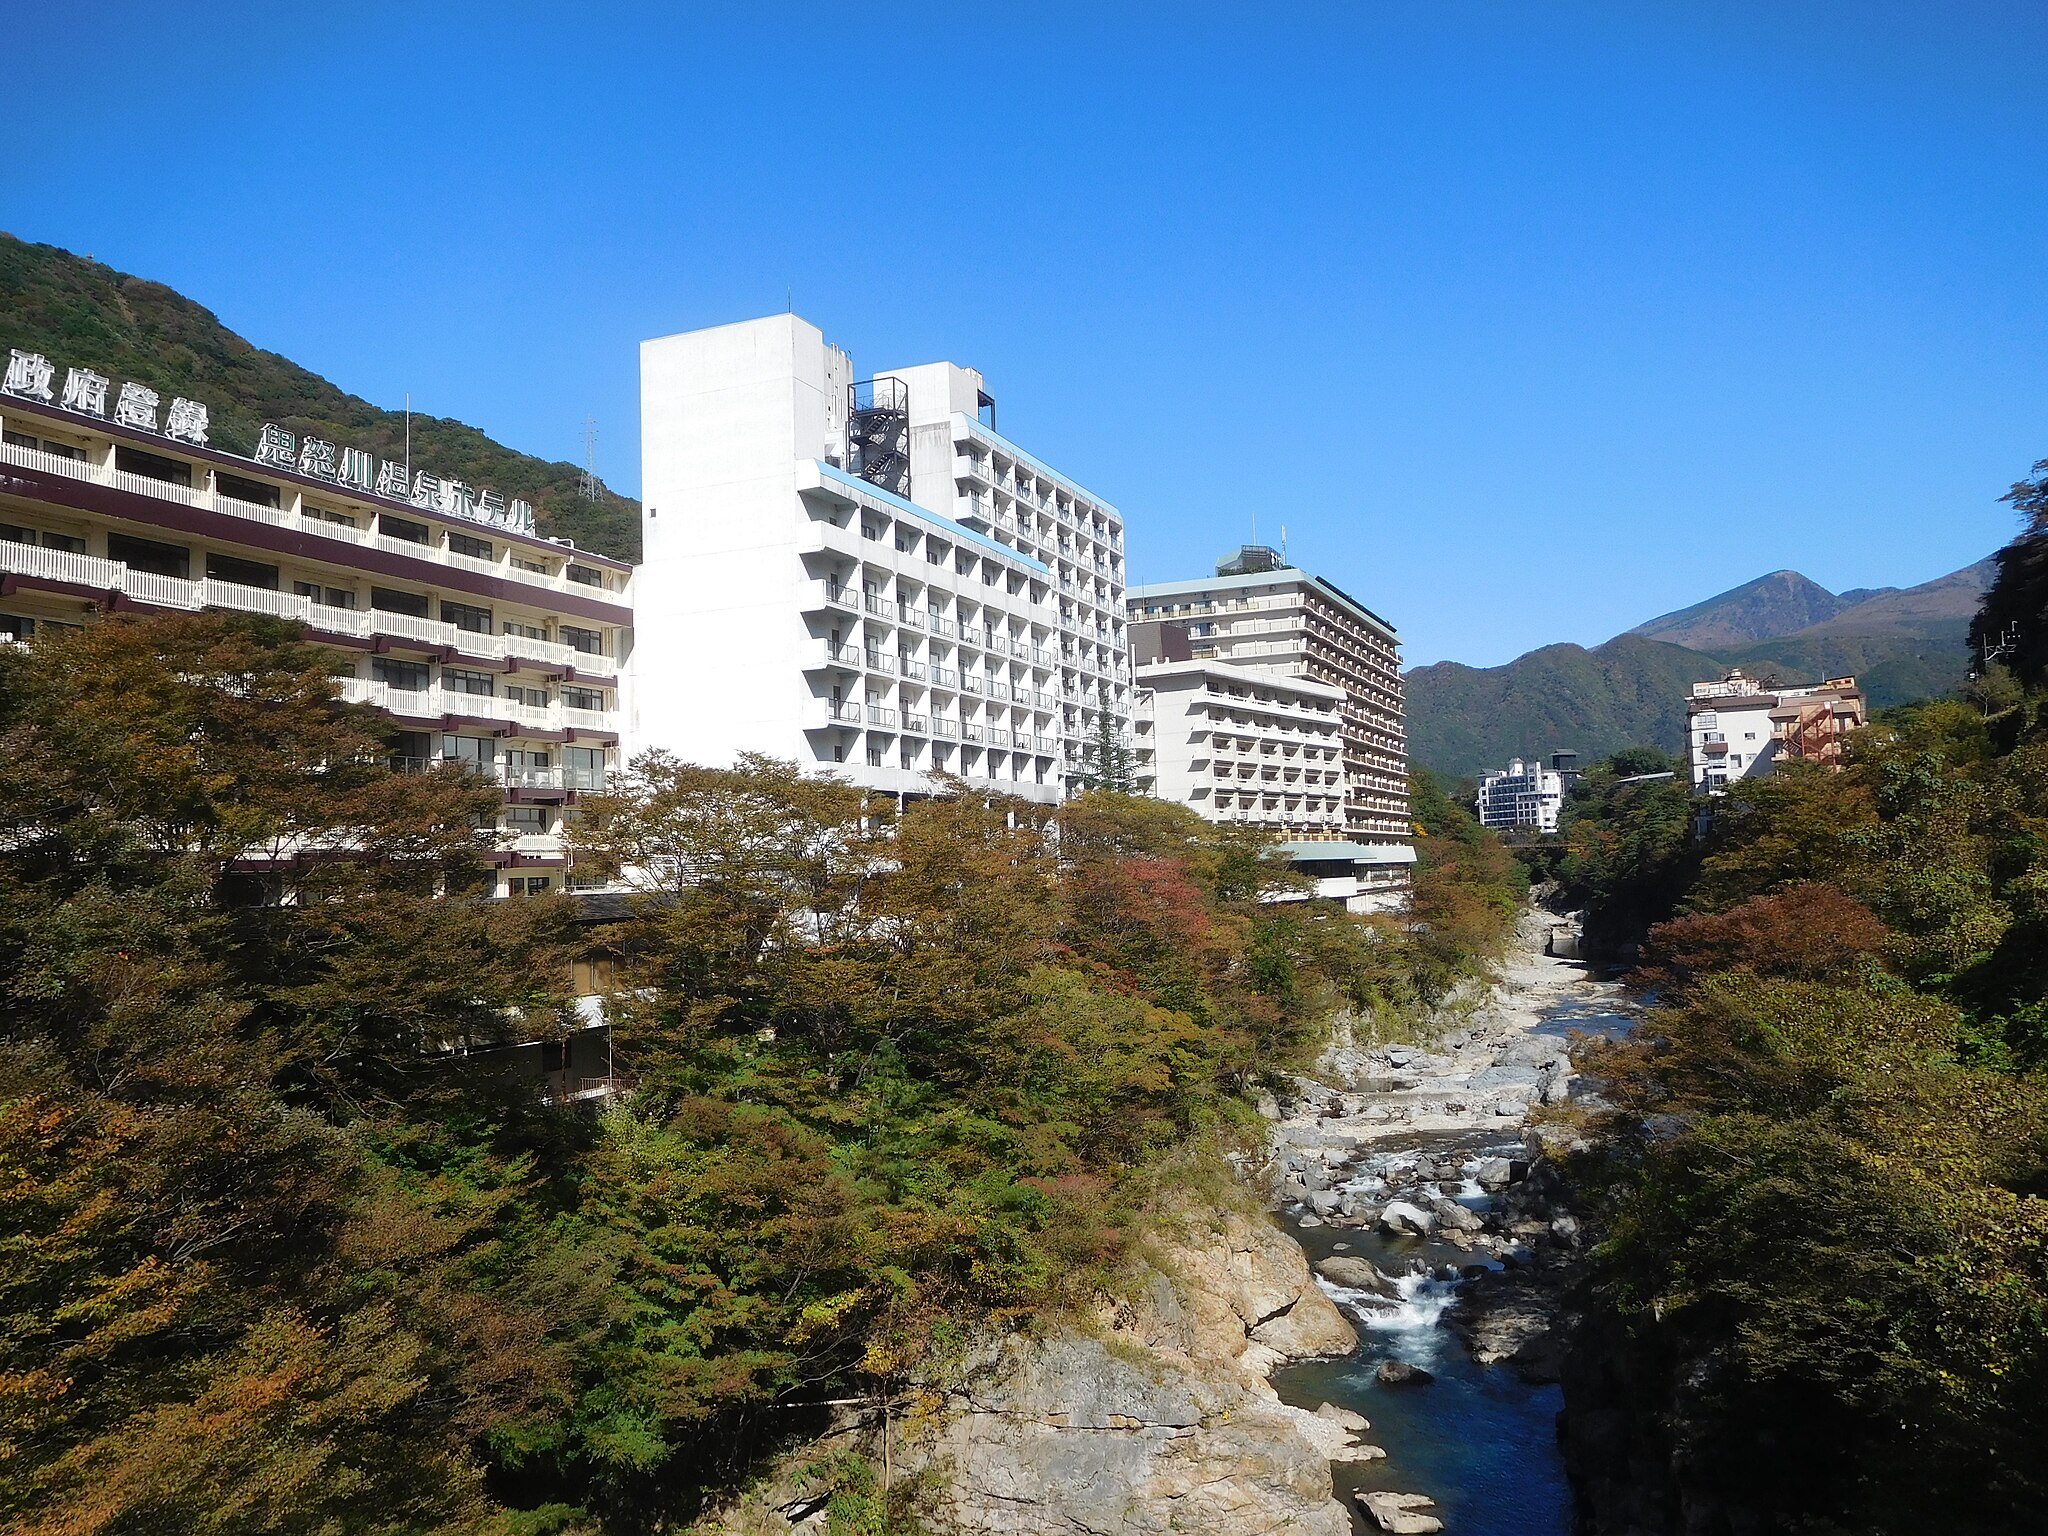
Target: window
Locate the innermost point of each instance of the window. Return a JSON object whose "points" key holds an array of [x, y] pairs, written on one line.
{"points": [[411, 676], [243, 573], [262, 492], [528, 885], [476, 620], [412, 752], [583, 767], [526, 631], [539, 567], [462, 680], [526, 820], [15, 627], [476, 753], [535, 697], [476, 549], [401, 528], [15, 439], [874, 757], [589, 641], [588, 575], [333, 597], [322, 515], [150, 556], [153, 466], [388, 600], [583, 698], [590, 977]]}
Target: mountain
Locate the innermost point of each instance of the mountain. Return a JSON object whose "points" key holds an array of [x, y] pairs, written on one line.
{"points": [[1781, 603], [1899, 643], [82, 313]]}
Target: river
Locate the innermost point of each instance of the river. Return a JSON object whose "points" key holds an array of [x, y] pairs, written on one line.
{"points": [[1479, 1440]]}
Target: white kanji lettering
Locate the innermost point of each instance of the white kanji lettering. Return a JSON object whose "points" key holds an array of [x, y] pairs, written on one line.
{"points": [[426, 491], [276, 447], [187, 421], [85, 391], [136, 407], [356, 469], [391, 481], [490, 506], [520, 516], [316, 458], [458, 498], [28, 374]]}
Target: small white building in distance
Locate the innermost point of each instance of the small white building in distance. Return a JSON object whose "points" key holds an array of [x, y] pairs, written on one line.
{"points": [[1739, 727], [1526, 797]]}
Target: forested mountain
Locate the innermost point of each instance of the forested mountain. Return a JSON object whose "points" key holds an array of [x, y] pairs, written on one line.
{"points": [[1900, 643], [81, 312]]}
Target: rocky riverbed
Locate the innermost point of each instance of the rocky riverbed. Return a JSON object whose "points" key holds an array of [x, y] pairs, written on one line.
{"points": [[1225, 1389], [1421, 1182]]}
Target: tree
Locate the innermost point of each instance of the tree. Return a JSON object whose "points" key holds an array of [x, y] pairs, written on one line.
{"points": [[2013, 621], [1108, 763]]}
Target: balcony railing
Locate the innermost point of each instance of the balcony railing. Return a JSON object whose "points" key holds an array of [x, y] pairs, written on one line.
{"points": [[354, 623], [878, 715]]}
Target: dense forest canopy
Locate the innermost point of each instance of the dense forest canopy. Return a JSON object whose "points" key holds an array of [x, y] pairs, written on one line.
{"points": [[287, 1252]]}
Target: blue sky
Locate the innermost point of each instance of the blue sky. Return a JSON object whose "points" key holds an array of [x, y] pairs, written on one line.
{"points": [[1528, 321]]}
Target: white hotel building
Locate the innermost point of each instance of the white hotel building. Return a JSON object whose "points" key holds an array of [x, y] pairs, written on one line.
{"points": [[484, 643], [1248, 745], [1527, 795], [861, 575]]}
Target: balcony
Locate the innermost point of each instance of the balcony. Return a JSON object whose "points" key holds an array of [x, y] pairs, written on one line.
{"points": [[917, 723], [941, 726], [819, 714], [878, 605], [879, 714], [103, 575]]}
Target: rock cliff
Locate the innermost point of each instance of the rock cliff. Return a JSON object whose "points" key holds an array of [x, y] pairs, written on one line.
{"points": [[1153, 1415], [1159, 1419]]}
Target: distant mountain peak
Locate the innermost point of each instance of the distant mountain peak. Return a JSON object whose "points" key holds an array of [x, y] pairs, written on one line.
{"points": [[1780, 603]]}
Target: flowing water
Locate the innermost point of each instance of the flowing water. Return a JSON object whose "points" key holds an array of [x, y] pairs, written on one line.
{"points": [[1478, 1439]]}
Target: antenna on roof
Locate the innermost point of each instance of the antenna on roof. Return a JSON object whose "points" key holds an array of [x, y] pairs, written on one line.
{"points": [[588, 485], [1283, 543]]}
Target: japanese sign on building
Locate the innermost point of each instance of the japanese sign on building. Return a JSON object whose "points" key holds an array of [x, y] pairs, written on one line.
{"points": [[31, 376]]}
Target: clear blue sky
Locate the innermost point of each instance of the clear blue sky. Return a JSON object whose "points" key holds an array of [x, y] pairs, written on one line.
{"points": [[1528, 321]]}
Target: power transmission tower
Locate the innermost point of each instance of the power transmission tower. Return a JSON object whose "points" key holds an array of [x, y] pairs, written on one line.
{"points": [[588, 486]]}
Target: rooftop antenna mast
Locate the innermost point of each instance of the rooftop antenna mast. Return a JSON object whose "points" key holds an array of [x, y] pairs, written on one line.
{"points": [[587, 486]]}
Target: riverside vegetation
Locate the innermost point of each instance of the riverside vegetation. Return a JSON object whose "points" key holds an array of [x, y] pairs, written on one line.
{"points": [[1820, 1298], [291, 1247]]}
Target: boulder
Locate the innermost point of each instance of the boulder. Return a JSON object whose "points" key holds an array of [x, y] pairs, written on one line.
{"points": [[1357, 1275], [1325, 1202], [1399, 1514], [1511, 1107], [1357, 1423], [1494, 1173], [1565, 1228], [1456, 1217], [1399, 1373], [1402, 1218], [1309, 1220]]}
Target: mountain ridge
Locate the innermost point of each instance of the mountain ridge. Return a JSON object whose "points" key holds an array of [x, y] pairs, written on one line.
{"points": [[1899, 642]]}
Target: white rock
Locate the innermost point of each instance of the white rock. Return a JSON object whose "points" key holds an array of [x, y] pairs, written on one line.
{"points": [[1403, 1218], [1396, 1513]]}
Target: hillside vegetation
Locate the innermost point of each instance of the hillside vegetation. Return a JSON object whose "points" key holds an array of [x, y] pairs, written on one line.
{"points": [[1818, 1301], [82, 313], [1900, 644], [291, 1249]]}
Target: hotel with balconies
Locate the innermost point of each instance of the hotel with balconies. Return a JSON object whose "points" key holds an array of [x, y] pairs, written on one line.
{"points": [[485, 644], [861, 575], [1240, 744], [1260, 616]]}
